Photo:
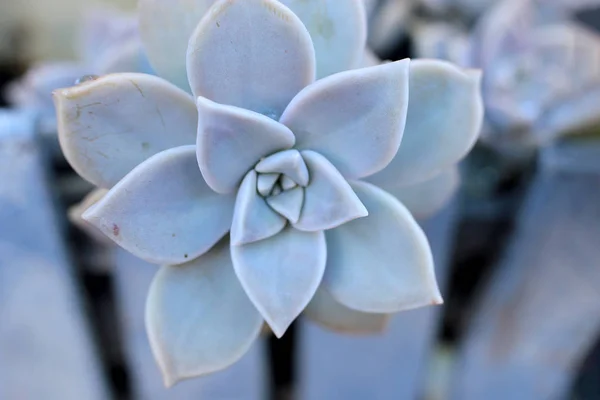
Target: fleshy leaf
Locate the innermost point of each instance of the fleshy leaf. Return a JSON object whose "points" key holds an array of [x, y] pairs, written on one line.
{"points": [[287, 183], [163, 211], [276, 190], [281, 274], [89, 200], [198, 318], [289, 163], [253, 219], [253, 54], [75, 215], [354, 118], [381, 263], [232, 140], [338, 29], [288, 203], [329, 201], [326, 311], [427, 198], [265, 183], [108, 126], [445, 114], [165, 27]]}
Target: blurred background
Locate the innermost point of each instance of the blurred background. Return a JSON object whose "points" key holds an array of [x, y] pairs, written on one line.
{"points": [[516, 240]]}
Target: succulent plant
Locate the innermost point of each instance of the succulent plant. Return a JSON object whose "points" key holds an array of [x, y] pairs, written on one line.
{"points": [[281, 203], [541, 71]]}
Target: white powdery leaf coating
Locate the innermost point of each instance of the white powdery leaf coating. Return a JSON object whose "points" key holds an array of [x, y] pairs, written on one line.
{"points": [[276, 190], [426, 198], [165, 28], [287, 183], [328, 312], [338, 29], [253, 219], [288, 203], [381, 263], [281, 274], [354, 118], [329, 201], [198, 317], [76, 211], [108, 126], [265, 183], [89, 200], [445, 114], [289, 163], [231, 140], [254, 54], [163, 211]]}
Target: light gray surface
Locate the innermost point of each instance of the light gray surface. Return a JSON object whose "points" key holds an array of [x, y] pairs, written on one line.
{"points": [[46, 350], [386, 367], [541, 313], [245, 380]]}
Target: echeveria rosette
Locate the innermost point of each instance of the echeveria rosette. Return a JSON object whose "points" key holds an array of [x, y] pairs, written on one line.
{"points": [[268, 138], [541, 72]]}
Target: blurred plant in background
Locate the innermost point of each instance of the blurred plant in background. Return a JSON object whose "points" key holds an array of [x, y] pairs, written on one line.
{"points": [[543, 66], [542, 61], [109, 43], [47, 30]]}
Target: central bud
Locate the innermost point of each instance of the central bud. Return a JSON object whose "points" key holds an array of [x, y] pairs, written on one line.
{"points": [[281, 180], [272, 184]]}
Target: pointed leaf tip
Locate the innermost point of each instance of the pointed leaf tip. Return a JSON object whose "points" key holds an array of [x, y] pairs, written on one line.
{"points": [[288, 203], [198, 318], [355, 118], [289, 163], [329, 200], [381, 263], [445, 115], [253, 219], [163, 211], [281, 274], [232, 140]]}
